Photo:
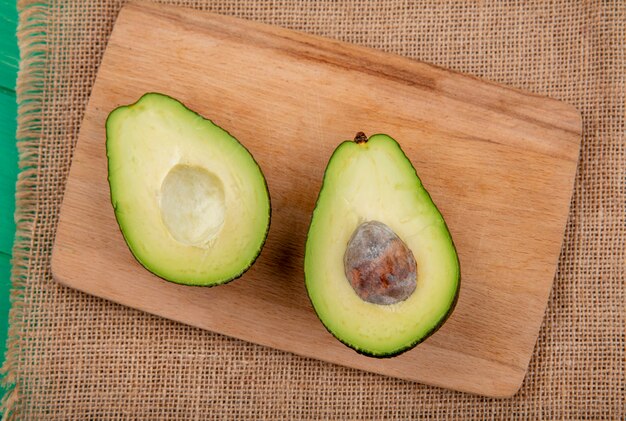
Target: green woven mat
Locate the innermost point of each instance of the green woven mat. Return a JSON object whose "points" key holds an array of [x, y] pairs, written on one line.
{"points": [[9, 59]]}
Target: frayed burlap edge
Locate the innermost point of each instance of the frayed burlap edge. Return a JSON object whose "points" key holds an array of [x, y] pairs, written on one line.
{"points": [[32, 35]]}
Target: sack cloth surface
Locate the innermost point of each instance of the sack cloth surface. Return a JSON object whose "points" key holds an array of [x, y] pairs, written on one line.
{"points": [[73, 356]]}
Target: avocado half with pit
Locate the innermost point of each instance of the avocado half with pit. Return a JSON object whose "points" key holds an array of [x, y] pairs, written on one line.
{"points": [[380, 266], [190, 200]]}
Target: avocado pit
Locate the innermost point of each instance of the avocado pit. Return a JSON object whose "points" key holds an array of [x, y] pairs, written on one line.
{"points": [[378, 265]]}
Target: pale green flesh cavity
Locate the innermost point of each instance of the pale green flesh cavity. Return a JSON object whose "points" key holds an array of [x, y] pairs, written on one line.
{"points": [[190, 200], [192, 205], [374, 181]]}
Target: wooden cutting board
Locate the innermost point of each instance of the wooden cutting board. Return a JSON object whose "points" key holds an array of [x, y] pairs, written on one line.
{"points": [[498, 162]]}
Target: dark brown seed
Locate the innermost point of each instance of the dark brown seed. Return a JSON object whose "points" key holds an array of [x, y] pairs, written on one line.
{"points": [[378, 265]]}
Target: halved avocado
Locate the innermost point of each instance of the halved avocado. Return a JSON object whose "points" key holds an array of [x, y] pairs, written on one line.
{"points": [[380, 266], [190, 200]]}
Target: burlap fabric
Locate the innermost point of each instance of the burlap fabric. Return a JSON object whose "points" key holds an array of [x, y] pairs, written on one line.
{"points": [[72, 356]]}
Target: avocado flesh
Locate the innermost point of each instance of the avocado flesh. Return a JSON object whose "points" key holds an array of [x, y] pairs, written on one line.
{"points": [[375, 181], [190, 200]]}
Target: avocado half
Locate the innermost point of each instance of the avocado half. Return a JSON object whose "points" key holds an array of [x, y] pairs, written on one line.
{"points": [[191, 201], [381, 269]]}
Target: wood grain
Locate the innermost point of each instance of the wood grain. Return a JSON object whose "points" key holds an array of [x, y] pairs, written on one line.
{"points": [[498, 162]]}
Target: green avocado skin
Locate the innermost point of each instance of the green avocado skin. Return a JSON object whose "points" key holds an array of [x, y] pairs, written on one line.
{"points": [[110, 121], [409, 346], [456, 281]]}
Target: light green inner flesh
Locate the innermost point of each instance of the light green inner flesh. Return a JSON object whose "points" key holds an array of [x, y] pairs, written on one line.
{"points": [[191, 201], [375, 181], [192, 205]]}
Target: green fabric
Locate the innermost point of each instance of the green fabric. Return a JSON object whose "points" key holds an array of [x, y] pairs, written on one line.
{"points": [[9, 60]]}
